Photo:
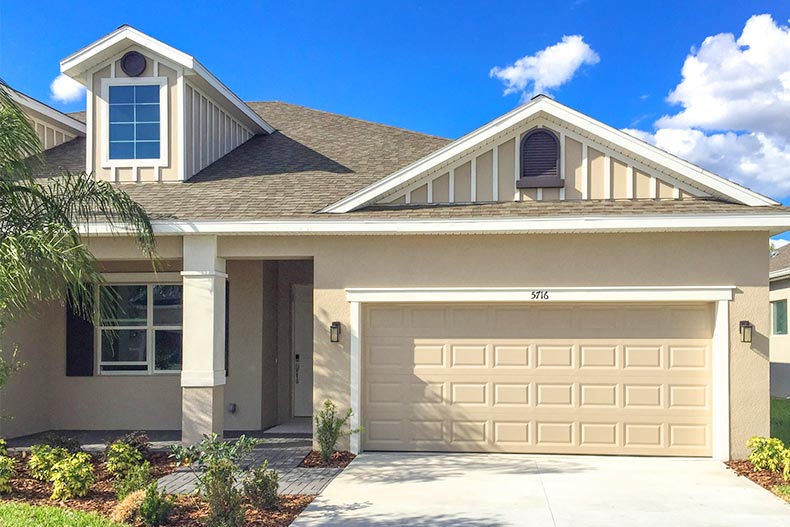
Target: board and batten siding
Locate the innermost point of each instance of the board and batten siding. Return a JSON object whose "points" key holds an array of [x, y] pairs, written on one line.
{"points": [[591, 171], [210, 132], [50, 135]]}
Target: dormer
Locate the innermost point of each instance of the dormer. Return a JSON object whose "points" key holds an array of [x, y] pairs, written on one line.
{"points": [[153, 112]]}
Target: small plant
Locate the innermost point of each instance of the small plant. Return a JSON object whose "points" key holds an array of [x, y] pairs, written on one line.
{"points": [[7, 471], [766, 453], [56, 440], [261, 487], [3, 447], [155, 506], [138, 441], [43, 458], [212, 448], [329, 429], [121, 458], [218, 488], [128, 509], [136, 479], [72, 477]]}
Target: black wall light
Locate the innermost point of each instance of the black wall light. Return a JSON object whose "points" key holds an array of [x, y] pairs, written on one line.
{"points": [[334, 332], [746, 329]]}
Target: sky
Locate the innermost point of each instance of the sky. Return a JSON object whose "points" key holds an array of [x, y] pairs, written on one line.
{"points": [[709, 81]]}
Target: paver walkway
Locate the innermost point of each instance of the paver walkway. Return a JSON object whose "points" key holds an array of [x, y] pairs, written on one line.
{"points": [[284, 455]]}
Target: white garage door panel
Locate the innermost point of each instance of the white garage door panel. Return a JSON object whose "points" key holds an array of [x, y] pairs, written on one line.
{"points": [[584, 379]]}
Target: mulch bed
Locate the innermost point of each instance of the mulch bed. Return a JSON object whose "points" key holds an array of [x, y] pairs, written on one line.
{"points": [[101, 497], [337, 460], [765, 478], [191, 512]]}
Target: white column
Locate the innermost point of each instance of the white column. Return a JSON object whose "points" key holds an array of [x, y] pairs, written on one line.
{"points": [[356, 375], [203, 370], [721, 381]]}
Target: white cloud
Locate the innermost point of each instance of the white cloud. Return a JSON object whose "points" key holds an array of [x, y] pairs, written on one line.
{"points": [[779, 242], [65, 89], [735, 100], [547, 69]]}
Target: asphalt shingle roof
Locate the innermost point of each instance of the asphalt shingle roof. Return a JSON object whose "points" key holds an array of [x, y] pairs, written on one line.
{"points": [[780, 259], [316, 158]]}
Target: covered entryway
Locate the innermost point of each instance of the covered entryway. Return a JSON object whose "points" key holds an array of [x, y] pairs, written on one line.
{"points": [[592, 378]]}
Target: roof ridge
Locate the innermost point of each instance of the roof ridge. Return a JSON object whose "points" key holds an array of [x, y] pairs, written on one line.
{"points": [[366, 121]]}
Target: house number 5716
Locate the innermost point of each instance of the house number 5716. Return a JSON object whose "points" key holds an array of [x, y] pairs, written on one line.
{"points": [[540, 295]]}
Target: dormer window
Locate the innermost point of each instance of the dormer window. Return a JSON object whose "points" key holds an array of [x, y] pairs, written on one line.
{"points": [[136, 116], [540, 160]]}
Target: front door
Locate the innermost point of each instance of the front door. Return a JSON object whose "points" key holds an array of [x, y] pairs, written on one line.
{"points": [[302, 349]]}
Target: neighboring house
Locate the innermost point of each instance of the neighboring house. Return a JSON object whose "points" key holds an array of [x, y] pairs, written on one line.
{"points": [[545, 283], [779, 277]]}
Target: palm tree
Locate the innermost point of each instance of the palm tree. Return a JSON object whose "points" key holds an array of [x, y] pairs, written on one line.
{"points": [[42, 256]]}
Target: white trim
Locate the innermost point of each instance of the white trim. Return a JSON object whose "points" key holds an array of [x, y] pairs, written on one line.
{"points": [[75, 126], [779, 274], [629, 181], [90, 155], [607, 177], [585, 172], [473, 180], [607, 134], [774, 223], [495, 174], [181, 153], [721, 381], [516, 167], [164, 118], [203, 274], [202, 378], [355, 330], [451, 190], [147, 278], [555, 294], [110, 45], [562, 164], [720, 295]]}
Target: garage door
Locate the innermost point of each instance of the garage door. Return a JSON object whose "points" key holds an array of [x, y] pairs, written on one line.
{"points": [[595, 379]]}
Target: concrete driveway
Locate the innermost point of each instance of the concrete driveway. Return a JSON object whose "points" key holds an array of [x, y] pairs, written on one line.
{"points": [[487, 490]]}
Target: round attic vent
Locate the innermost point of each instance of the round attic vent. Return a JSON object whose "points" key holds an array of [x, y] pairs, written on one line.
{"points": [[133, 64]]}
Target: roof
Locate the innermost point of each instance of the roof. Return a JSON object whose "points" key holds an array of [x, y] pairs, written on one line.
{"points": [[780, 261], [68, 121], [80, 62], [687, 172]]}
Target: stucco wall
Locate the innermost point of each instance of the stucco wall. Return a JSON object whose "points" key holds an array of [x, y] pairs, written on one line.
{"points": [[780, 345]]}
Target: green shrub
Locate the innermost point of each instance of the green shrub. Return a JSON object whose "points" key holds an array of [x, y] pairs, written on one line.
{"points": [[261, 487], [7, 471], [136, 479], [224, 500], [121, 458], [3, 447], [155, 507], [766, 453], [72, 477], [43, 458], [138, 441], [56, 440], [329, 429]]}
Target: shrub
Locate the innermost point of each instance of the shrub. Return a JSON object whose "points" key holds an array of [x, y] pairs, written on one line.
{"points": [[128, 509], [72, 477], [138, 441], [7, 471], [56, 440], [121, 458], [3, 448], [766, 453], [136, 479], [43, 458], [155, 506], [261, 487], [329, 429], [222, 497]]}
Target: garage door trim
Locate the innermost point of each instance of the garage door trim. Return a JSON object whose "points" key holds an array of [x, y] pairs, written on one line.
{"points": [[719, 295]]}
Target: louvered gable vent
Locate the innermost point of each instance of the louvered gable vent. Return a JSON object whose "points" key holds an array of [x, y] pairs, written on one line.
{"points": [[540, 160]]}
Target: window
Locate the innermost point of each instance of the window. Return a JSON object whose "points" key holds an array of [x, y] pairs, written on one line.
{"points": [[540, 160], [142, 333], [134, 120], [779, 317]]}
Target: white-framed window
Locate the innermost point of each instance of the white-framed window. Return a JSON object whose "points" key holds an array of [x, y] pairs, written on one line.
{"points": [[134, 122], [142, 335]]}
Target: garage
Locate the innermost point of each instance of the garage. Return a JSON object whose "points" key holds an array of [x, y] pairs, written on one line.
{"points": [[583, 378]]}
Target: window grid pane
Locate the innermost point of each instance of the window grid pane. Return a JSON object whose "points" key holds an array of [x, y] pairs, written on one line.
{"points": [[779, 317], [134, 122]]}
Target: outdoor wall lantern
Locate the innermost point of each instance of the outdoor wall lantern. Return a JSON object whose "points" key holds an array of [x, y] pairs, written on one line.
{"points": [[334, 332], [746, 329]]}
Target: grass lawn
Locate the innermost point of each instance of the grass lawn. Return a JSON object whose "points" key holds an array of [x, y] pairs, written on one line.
{"points": [[20, 515], [780, 419]]}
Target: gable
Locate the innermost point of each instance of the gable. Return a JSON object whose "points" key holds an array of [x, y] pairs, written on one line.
{"points": [[596, 162]]}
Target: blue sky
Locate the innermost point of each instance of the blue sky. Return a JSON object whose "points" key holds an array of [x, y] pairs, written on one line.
{"points": [[426, 65]]}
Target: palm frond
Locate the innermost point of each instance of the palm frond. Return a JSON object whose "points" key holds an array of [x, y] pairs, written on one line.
{"points": [[19, 142]]}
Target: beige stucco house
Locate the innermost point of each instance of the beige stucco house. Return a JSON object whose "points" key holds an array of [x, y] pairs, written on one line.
{"points": [[779, 278], [545, 283]]}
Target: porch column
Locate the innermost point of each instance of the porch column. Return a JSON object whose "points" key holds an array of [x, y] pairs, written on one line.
{"points": [[203, 369]]}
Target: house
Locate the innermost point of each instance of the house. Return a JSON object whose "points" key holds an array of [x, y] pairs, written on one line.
{"points": [[779, 278], [545, 283]]}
